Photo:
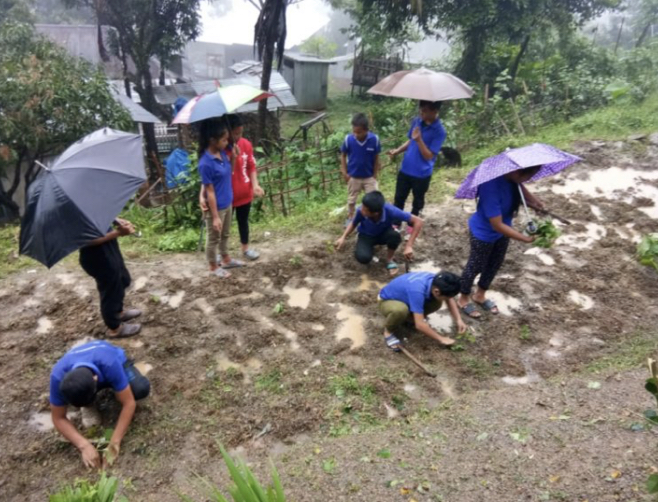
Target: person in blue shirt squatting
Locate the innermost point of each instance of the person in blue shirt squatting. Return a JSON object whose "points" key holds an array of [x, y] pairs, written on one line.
{"points": [[426, 136], [417, 295], [216, 170], [359, 162], [78, 376], [490, 231], [374, 223]]}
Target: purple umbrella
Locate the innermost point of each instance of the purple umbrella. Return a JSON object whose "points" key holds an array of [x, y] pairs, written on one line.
{"points": [[550, 158]]}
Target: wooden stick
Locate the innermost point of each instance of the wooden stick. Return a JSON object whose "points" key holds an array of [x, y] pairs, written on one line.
{"points": [[159, 180], [416, 361]]}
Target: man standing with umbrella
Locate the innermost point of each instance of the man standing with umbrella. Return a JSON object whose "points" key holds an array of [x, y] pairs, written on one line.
{"points": [[102, 260]]}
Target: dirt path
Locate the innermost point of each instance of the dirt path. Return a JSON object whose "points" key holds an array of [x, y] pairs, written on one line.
{"points": [[496, 424]]}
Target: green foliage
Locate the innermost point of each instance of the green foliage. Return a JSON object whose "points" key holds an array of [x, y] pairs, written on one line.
{"points": [[179, 240], [246, 488], [279, 308], [546, 234], [319, 46], [104, 490], [647, 251], [652, 483]]}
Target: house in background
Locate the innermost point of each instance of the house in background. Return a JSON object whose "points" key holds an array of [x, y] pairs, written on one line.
{"points": [[308, 76]]}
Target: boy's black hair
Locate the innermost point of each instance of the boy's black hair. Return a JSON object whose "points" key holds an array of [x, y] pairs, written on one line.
{"points": [[235, 121], [78, 387], [448, 283], [374, 201], [360, 120], [432, 105]]}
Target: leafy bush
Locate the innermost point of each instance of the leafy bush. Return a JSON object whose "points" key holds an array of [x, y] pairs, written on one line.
{"points": [[104, 490], [246, 488], [182, 239], [647, 251]]}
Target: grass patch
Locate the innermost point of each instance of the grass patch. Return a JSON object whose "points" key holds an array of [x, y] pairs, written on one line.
{"points": [[349, 386], [10, 260], [627, 354], [270, 382]]}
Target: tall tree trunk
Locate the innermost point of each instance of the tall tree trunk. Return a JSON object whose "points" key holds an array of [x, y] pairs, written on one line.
{"points": [[468, 68], [145, 91], [268, 61], [161, 80], [644, 34], [517, 60]]}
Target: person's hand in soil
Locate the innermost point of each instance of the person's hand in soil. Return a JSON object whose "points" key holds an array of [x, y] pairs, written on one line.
{"points": [[339, 244], [90, 456], [111, 454], [408, 253], [217, 225], [461, 327]]}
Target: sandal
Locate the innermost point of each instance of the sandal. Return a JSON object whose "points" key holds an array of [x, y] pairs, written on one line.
{"points": [[393, 343], [129, 314], [233, 263], [469, 309], [221, 273], [251, 254], [392, 268], [489, 306]]}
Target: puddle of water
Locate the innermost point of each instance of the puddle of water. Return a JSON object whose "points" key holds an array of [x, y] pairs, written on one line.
{"points": [[41, 421], [542, 255], [328, 285], [367, 284], [140, 282], [426, 266], [175, 301], [291, 336], [352, 326], [583, 301], [44, 325], [506, 304], [247, 368], [440, 321], [143, 367], [628, 232], [596, 210], [531, 375], [298, 297], [583, 240], [614, 183]]}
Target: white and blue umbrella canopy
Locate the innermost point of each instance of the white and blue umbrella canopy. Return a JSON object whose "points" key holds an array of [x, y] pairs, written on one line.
{"points": [[76, 200]]}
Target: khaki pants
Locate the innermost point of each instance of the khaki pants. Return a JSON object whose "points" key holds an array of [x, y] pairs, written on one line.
{"points": [[397, 312], [357, 185], [214, 238]]}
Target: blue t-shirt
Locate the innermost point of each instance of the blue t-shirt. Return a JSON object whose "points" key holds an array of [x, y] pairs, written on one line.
{"points": [[498, 197], [390, 213], [412, 289], [414, 164], [219, 174], [361, 156], [104, 359]]}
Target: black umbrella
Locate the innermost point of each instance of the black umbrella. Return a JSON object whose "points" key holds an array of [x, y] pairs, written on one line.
{"points": [[76, 200]]}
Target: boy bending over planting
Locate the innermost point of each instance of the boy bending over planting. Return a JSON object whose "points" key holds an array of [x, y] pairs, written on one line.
{"points": [[417, 295], [374, 223]]}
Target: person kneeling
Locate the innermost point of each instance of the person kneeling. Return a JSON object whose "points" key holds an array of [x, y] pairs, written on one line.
{"points": [[417, 295], [374, 224], [75, 380]]}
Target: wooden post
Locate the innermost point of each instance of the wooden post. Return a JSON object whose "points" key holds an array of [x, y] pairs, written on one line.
{"points": [[509, 133], [486, 95], [516, 114], [621, 27]]}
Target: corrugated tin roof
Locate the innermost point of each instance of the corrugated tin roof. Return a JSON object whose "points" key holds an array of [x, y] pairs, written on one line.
{"points": [[167, 94], [137, 112], [306, 59]]}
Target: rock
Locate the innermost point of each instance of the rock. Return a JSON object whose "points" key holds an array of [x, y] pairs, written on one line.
{"points": [[653, 139], [637, 137]]}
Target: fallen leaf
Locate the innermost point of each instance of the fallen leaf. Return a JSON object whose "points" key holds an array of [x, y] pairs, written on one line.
{"points": [[554, 479], [365, 459], [385, 453], [594, 385], [404, 491], [615, 474], [329, 465], [482, 437], [394, 482]]}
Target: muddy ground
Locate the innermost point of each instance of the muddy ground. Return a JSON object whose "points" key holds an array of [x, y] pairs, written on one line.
{"points": [[286, 360]]}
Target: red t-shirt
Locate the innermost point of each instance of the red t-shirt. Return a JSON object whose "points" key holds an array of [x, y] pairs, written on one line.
{"points": [[243, 190]]}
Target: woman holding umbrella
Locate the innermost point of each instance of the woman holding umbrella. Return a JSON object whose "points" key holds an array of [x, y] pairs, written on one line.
{"points": [[498, 185]]}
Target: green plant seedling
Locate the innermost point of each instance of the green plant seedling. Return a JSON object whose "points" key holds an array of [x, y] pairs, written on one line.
{"points": [[546, 234], [647, 251], [279, 308], [296, 261]]}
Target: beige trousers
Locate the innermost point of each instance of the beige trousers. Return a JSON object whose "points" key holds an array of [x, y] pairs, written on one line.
{"points": [[214, 238]]}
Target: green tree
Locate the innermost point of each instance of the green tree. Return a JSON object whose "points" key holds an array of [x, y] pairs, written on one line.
{"points": [[48, 100], [319, 46]]}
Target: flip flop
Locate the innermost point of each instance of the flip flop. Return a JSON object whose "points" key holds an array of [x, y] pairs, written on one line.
{"points": [[489, 305], [392, 268], [220, 272], [129, 314], [233, 264], [126, 330], [393, 343], [469, 309]]}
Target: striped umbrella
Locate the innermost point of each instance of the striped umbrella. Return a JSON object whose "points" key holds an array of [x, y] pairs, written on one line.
{"points": [[218, 103]]}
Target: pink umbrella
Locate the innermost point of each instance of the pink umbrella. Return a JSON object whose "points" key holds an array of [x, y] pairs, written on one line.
{"points": [[422, 84]]}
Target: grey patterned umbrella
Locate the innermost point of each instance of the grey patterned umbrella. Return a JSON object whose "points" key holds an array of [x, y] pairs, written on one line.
{"points": [[77, 198]]}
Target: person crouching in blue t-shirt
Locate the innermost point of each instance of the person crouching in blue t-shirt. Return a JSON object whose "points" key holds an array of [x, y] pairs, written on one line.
{"points": [[417, 295], [374, 223], [490, 231], [426, 137], [75, 380], [359, 161]]}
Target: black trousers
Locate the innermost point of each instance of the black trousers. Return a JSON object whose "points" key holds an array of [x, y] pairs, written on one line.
{"points": [[105, 264], [139, 384], [242, 215], [485, 259], [365, 244], [417, 186]]}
